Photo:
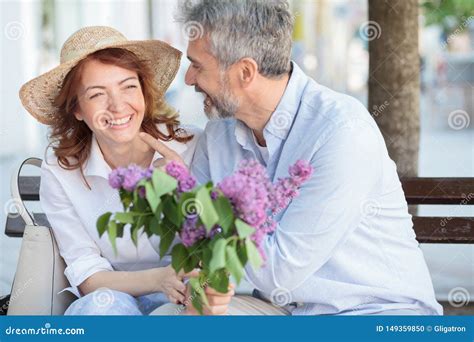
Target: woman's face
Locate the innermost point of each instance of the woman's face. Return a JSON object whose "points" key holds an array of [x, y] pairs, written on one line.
{"points": [[110, 102]]}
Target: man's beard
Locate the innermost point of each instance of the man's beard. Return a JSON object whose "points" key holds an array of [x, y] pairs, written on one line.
{"points": [[222, 105]]}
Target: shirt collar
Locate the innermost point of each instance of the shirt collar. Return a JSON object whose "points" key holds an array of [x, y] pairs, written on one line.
{"points": [[97, 166], [282, 118]]}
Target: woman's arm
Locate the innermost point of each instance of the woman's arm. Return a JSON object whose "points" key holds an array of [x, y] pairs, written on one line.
{"points": [[138, 283]]}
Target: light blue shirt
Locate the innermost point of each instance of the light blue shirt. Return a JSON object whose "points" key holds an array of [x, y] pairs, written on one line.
{"points": [[346, 244]]}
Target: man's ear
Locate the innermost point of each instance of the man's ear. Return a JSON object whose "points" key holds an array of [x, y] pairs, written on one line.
{"points": [[248, 70]]}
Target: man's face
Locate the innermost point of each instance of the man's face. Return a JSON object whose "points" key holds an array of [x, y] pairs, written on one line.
{"points": [[207, 78]]}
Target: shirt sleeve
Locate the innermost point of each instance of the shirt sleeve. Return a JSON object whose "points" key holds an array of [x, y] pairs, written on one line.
{"points": [[200, 163], [347, 169], [76, 246]]}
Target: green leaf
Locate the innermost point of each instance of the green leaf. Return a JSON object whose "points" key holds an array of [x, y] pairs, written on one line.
{"points": [[124, 217], [120, 229], [243, 229], [102, 223], [141, 205], [198, 295], [112, 230], [253, 255], [233, 264], [178, 257], [208, 214], [151, 197], [126, 198], [166, 238], [225, 212], [163, 183], [219, 280], [242, 252], [191, 263], [172, 212], [155, 227], [134, 235], [218, 255], [206, 257], [159, 211]]}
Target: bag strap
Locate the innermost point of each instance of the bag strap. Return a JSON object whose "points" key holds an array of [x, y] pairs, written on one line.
{"points": [[15, 191]]}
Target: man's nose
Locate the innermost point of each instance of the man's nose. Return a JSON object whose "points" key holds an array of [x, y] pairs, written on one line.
{"points": [[190, 78]]}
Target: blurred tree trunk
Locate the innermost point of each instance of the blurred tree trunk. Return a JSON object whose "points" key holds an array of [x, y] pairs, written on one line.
{"points": [[394, 84]]}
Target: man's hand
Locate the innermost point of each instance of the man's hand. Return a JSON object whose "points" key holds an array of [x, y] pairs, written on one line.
{"points": [[167, 153], [218, 302]]}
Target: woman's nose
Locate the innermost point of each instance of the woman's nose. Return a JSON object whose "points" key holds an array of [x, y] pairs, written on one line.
{"points": [[116, 102]]}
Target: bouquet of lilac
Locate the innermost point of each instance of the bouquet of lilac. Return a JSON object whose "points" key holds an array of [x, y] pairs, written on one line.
{"points": [[221, 227]]}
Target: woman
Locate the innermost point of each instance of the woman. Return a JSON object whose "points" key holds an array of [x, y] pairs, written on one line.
{"points": [[105, 106]]}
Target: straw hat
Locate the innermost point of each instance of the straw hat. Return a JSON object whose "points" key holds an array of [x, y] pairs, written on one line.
{"points": [[38, 95]]}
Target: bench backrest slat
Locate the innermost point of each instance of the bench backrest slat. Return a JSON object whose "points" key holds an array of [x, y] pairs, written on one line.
{"points": [[438, 190]]}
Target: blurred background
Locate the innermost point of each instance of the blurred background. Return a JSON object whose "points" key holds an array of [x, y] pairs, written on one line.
{"points": [[329, 45]]}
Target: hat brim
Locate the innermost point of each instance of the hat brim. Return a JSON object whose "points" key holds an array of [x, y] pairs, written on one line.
{"points": [[39, 94]]}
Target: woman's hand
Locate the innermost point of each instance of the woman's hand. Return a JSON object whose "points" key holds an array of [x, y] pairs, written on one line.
{"points": [[171, 284], [167, 153]]}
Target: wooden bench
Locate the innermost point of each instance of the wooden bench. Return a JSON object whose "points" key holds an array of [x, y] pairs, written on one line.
{"points": [[418, 191]]}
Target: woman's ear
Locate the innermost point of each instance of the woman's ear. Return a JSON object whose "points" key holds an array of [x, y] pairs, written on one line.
{"points": [[248, 70], [78, 116]]}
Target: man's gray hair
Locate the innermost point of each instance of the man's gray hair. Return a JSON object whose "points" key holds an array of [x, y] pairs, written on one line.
{"points": [[259, 29]]}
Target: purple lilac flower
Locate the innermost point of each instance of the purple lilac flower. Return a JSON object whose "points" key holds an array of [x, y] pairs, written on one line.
{"points": [[301, 171], [214, 195], [116, 177], [214, 231], [142, 192], [186, 181], [190, 232], [256, 200], [133, 175]]}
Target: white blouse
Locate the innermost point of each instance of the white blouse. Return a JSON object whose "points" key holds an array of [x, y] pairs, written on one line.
{"points": [[72, 210]]}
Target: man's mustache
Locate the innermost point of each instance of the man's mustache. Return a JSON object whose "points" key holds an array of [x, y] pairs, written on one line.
{"points": [[198, 90]]}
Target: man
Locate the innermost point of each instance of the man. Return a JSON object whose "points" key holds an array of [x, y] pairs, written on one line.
{"points": [[344, 246]]}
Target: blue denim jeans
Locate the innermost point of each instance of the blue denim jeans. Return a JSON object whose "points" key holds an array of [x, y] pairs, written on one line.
{"points": [[111, 302]]}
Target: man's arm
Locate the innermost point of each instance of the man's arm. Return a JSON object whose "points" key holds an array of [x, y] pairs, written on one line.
{"points": [[347, 169], [200, 163]]}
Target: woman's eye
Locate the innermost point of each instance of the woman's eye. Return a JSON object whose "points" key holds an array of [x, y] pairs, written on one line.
{"points": [[95, 95], [131, 86]]}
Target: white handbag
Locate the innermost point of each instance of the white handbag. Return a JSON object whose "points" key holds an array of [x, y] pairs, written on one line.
{"points": [[39, 274]]}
